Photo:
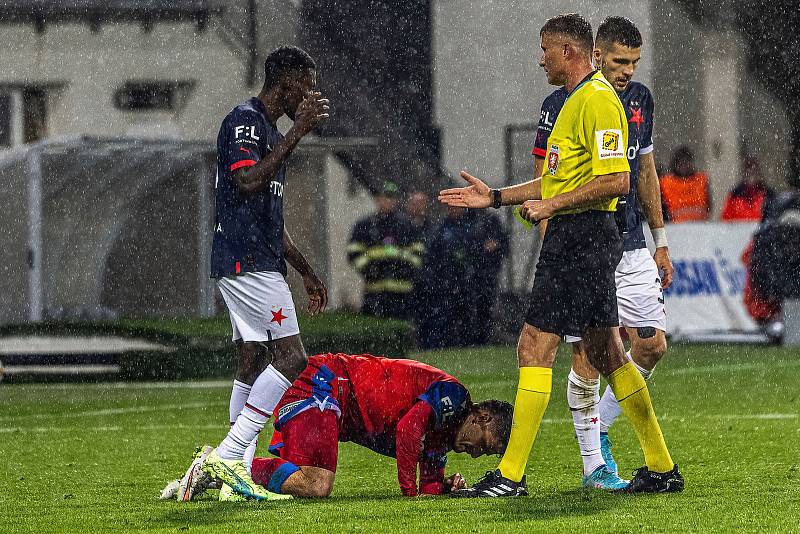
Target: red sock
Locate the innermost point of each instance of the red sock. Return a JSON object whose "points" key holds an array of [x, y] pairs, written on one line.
{"points": [[264, 468]]}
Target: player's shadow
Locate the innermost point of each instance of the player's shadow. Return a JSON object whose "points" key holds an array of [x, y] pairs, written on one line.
{"points": [[569, 503]]}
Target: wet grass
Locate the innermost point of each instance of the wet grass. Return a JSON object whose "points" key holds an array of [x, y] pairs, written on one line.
{"points": [[93, 457]]}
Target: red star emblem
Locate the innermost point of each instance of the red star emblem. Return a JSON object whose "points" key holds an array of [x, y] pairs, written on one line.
{"points": [[594, 420], [278, 317], [636, 117]]}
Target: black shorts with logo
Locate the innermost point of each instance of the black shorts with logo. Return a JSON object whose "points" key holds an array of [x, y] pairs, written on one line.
{"points": [[574, 287]]}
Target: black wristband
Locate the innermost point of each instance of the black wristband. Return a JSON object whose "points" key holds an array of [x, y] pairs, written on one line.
{"points": [[497, 202]]}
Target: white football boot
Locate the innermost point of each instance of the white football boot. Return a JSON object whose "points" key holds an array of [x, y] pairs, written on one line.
{"points": [[196, 481], [170, 491]]}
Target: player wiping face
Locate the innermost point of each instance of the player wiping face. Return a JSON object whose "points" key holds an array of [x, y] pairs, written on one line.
{"points": [[302, 98], [251, 249]]}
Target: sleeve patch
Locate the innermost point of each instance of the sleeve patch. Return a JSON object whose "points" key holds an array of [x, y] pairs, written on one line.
{"points": [[609, 144], [243, 163], [447, 400]]}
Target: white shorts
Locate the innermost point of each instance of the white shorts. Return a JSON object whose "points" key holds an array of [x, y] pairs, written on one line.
{"points": [[640, 301], [260, 306]]}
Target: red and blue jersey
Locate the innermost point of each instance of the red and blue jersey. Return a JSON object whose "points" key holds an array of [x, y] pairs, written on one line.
{"points": [[248, 228], [399, 408], [638, 103]]}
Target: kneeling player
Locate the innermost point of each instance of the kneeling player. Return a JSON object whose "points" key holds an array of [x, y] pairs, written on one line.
{"points": [[400, 408]]}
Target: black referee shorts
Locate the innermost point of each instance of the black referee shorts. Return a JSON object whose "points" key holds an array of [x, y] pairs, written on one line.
{"points": [[574, 287]]}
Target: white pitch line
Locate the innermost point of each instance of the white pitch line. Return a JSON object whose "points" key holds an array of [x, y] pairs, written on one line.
{"points": [[754, 416], [202, 384], [212, 384], [729, 367], [182, 426], [117, 411], [766, 416], [66, 369], [178, 426]]}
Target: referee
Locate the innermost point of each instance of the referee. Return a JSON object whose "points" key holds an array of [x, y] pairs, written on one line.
{"points": [[574, 292]]}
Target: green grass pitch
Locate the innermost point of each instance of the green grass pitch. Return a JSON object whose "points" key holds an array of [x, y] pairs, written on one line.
{"points": [[93, 457]]}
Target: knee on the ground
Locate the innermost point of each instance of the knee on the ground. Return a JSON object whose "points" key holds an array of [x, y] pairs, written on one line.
{"points": [[315, 487]]}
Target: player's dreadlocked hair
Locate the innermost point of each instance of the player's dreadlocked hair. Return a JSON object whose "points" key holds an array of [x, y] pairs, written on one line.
{"points": [[573, 26], [619, 30], [502, 413], [283, 61]]}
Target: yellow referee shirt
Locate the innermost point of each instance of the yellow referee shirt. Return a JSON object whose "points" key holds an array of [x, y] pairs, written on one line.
{"points": [[589, 139]]}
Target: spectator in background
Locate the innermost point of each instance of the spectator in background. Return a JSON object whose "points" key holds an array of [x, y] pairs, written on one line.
{"points": [[746, 201], [491, 242], [764, 310], [772, 261], [684, 191], [386, 250], [418, 208], [457, 286]]}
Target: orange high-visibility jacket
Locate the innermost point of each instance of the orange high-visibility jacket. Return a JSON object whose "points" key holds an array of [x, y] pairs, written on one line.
{"points": [[685, 198]]}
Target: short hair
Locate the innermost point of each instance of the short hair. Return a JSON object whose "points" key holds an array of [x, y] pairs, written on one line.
{"points": [[682, 153], [503, 415], [573, 26], [619, 30], [285, 61]]}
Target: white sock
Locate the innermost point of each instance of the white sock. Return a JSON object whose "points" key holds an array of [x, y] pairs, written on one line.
{"points": [[583, 396], [267, 390], [239, 395], [609, 407], [249, 454]]}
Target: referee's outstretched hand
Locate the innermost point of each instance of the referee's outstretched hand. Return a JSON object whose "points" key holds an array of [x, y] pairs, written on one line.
{"points": [[476, 195]]}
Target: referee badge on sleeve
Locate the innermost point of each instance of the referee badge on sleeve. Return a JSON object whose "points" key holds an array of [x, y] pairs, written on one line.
{"points": [[552, 159], [609, 144]]}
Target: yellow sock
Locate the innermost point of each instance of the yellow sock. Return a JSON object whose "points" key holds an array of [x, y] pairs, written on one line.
{"points": [[533, 394], [634, 400]]}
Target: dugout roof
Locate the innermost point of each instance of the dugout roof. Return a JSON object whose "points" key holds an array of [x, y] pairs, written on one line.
{"points": [[97, 226], [42, 11]]}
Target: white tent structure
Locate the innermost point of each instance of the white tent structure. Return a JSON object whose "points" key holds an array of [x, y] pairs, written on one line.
{"points": [[98, 228]]}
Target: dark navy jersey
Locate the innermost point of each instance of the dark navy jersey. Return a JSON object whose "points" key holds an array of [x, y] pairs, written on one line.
{"points": [[248, 228], [638, 103], [547, 118]]}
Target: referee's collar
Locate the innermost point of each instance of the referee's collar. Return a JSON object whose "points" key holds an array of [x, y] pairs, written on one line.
{"points": [[585, 80]]}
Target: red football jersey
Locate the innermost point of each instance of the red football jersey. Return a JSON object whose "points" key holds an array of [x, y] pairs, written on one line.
{"points": [[400, 408]]}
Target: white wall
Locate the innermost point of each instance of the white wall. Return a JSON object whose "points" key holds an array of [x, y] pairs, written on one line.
{"points": [[764, 131], [93, 65]]}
